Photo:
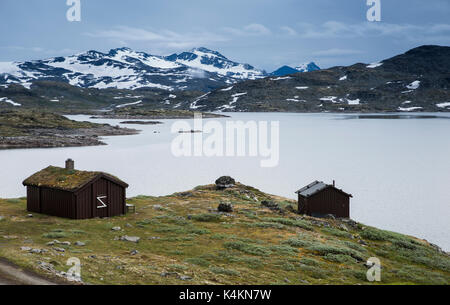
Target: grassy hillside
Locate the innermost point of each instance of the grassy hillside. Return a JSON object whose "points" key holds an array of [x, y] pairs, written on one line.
{"points": [[184, 241]]}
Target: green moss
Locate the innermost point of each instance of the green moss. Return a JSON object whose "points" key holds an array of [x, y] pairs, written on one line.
{"points": [[61, 178]]}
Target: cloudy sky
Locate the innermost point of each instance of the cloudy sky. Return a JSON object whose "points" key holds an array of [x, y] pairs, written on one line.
{"points": [[264, 33]]}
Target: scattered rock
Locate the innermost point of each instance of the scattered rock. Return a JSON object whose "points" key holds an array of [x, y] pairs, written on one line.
{"points": [[35, 251], [185, 278], [59, 249], [362, 242], [51, 268], [134, 252], [133, 239], [65, 243], [158, 207], [30, 215], [154, 237], [80, 244], [225, 207], [25, 249], [343, 227], [329, 216], [166, 274], [28, 241], [128, 225], [116, 228], [271, 205], [350, 223], [50, 243], [10, 237], [225, 182], [186, 194]]}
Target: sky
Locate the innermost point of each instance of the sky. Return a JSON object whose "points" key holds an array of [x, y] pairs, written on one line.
{"points": [[264, 33]]}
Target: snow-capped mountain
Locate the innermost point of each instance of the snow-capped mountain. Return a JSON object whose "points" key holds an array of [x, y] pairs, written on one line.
{"points": [[286, 70], [123, 68]]}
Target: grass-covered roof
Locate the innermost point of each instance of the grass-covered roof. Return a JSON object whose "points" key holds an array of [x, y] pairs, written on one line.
{"points": [[64, 179]]}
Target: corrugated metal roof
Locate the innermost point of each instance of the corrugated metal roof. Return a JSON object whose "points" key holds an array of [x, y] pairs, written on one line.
{"points": [[316, 187], [312, 188]]}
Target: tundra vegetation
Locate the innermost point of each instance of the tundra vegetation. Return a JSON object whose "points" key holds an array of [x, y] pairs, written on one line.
{"points": [[182, 239]]}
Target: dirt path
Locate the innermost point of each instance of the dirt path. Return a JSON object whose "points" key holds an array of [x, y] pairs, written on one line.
{"points": [[13, 275]]}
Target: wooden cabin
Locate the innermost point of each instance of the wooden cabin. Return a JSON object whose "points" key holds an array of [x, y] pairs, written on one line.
{"points": [[319, 199], [69, 193]]}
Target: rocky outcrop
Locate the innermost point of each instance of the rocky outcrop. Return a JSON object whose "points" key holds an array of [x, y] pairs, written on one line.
{"points": [[225, 182]]}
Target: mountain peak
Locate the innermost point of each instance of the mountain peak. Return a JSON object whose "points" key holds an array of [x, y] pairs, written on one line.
{"points": [[207, 51], [286, 70], [307, 67]]}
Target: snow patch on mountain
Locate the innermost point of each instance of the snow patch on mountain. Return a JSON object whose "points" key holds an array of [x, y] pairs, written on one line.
{"points": [[375, 65], [126, 69], [6, 100], [414, 85]]}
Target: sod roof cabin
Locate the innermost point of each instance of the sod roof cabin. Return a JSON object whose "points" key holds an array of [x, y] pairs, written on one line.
{"points": [[69, 193], [319, 199]]}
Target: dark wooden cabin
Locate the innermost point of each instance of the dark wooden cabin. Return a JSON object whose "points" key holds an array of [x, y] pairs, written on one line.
{"points": [[69, 193], [319, 199]]}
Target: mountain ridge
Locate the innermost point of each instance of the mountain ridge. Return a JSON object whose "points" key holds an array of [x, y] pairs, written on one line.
{"points": [[122, 68], [417, 80]]}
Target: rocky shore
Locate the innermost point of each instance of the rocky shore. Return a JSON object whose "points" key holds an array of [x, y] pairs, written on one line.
{"points": [[152, 114], [47, 138], [26, 129]]}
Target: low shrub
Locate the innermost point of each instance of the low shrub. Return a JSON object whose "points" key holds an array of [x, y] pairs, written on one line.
{"points": [[220, 270], [339, 258], [290, 222], [323, 250], [337, 232], [198, 261], [247, 248], [206, 217], [284, 250]]}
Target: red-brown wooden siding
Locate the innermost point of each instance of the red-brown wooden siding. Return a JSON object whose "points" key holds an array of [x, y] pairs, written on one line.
{"points": [[57, 203], [327, 201], [33, 204], [81, 204]]}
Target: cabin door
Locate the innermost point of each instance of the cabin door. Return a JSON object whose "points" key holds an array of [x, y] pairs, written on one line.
{"points": [[101, 203]]}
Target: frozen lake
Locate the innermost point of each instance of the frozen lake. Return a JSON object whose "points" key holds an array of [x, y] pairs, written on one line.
{"points": [[398, 170]]}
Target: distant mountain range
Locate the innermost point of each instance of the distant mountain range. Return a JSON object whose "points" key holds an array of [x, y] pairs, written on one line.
{"points": [[286, 70], [204, 80], [418, 80], [199, 69]]}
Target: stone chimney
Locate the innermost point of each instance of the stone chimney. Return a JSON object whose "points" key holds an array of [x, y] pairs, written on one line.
{"points": [[334, 183], [70, 164]]}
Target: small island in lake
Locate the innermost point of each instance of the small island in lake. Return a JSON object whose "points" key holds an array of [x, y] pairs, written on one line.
{"points": [[142, 122]]}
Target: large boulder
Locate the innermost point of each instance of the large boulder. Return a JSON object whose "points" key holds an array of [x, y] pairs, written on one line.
{"points": [[225, 182], [225, 207]]}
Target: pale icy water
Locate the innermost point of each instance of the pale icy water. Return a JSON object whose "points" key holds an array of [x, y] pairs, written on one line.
{"points": [[397, 170]]}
